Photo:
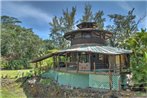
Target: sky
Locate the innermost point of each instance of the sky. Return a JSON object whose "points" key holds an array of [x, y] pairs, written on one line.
{"points": [[38, 14]]}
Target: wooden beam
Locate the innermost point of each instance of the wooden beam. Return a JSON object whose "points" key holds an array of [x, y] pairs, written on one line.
{"points": [[77, 62], [110, 75], [58, 62], [66, 61], [98, 34], [90, 60], [128, 59], [110, 80], [94, 67], [120, 63], [55, 62]]}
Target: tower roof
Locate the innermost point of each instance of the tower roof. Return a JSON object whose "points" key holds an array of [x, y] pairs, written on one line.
{"points": [[87, 25]]}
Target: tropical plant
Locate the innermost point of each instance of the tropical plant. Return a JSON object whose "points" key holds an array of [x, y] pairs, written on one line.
{"points": [[138, 44], [61, 25], [88, 15], [124, 26], [18, 44]]}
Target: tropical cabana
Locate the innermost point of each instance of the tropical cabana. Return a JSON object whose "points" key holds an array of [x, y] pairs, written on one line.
{"points": [[89, 59]]}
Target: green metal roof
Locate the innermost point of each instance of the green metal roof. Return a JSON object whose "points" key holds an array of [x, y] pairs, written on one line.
{"points": [[92, 49], [98, 49]]}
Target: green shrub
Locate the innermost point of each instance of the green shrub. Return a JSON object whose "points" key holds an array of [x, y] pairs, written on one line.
{"points": [[46, 81]]}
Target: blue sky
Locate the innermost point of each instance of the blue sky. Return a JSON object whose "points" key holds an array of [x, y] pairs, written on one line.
{"points": [[38, 14]]}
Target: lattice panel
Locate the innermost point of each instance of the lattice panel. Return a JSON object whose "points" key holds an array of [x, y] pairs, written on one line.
{"points": [[115, 82], [84, 80]]}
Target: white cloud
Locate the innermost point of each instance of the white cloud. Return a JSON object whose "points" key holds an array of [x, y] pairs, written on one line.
{"points": [[124, 5], [139, 14], [24, 11]]}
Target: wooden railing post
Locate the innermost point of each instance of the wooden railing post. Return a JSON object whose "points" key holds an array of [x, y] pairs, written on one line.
{"points": [[94, 67], [77, 67], [90, 61], [110, 78], [58, 62], [66, 66], [77, 62], [66, 62], [120, 62]]}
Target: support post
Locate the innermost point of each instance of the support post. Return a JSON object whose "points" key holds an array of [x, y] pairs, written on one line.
{"points": [[120, 63], [77, 62], [90, 61], [110, 75], [66, 61], [94, 67], [55, 62], [58, 62], [110, 80]]}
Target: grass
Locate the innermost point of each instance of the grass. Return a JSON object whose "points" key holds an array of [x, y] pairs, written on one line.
{"points": [[141, 94], [14, 73], [12, 89]]}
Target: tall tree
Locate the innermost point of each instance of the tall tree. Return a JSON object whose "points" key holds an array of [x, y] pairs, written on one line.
{"points": [[61, 25], [88, 16], [9, 20], [69, 19], [18, 44], [93, 17], [124, 26], [98, 18], [56, 34]]}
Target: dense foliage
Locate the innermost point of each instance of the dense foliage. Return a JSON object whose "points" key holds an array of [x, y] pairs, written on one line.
{"points": [[138, 44], [18, 44], [123, 27]]}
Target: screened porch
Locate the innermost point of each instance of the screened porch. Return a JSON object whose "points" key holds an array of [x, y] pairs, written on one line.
{"points": [[86, 62]]}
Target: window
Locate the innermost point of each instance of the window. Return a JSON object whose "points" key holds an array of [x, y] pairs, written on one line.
{"points": [[100, 57], [84, 58], [78, 35], [86, 35]]}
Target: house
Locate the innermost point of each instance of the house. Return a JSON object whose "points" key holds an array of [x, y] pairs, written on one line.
{"points": [[89, 62]]}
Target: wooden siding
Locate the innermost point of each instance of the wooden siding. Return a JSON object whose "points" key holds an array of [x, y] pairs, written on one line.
{"points": [[87, 40]]}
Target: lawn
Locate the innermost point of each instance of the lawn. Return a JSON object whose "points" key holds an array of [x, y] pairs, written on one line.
{"points": [[14, 73], [9, 87]]}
